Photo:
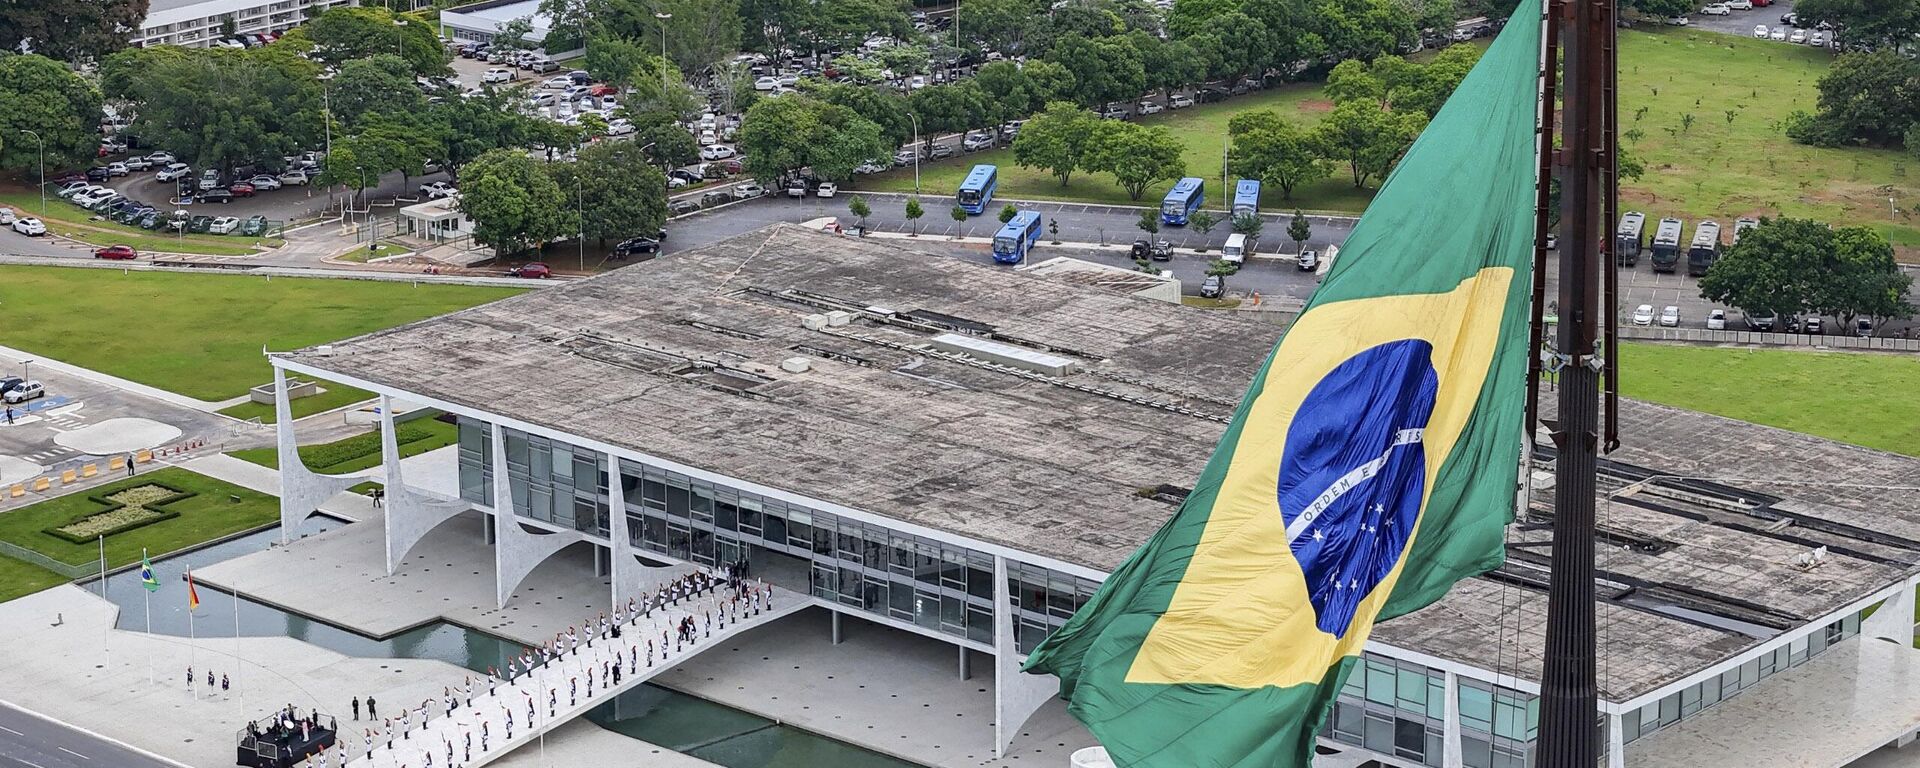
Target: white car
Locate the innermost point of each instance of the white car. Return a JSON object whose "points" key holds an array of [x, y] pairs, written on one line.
{"points": [[708, 138], [497, 75], [160, 159], [1818, 40], [748, 191], [173, 172], [869, 168], [789, 81], [295, 178], [1799, 37], [917, 82], [29, 227], [766, 83], [7, 216], [225, 225], [1779, 34], [716, 152], [436, 190], [1149, 108], [92, 198], [1716, 9], [1678, 21], [1180, 100], [1760, 31], [827, 189], [1740, 5], [558, 83], [136, 164], [1717, 320], [1643, 314], [265, 182], [620, 126], [26, 391], [1670, 317], [608, 103]]}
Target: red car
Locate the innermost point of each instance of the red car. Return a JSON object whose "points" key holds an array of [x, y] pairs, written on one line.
{"points": [[117, 252], [603, 90], [531, 270], [240, 189]]}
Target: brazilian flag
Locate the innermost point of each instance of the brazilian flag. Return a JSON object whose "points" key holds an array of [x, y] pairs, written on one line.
{"points": [[1371, 465]]}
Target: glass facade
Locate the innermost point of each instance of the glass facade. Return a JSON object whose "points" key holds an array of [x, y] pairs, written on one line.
{"points": [[936, 585], [1693, 699]]}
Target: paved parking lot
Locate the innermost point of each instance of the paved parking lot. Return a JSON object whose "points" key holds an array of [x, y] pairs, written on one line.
{"points": [[82, 419], [1742, 22]]}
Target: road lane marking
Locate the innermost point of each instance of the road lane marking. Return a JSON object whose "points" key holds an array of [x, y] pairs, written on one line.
{"points": [[75, 754], [10, 730]]}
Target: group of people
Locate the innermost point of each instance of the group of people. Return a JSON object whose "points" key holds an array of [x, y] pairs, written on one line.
{"points": [[698, 600], [223, 684], [284, 726]]}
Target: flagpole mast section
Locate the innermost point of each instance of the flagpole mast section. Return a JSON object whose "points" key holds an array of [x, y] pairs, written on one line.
{"points": [[1568, 687]]}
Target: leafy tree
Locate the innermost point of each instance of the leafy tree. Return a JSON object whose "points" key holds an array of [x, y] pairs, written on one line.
{"points": [[618, 61], [616, 189], [1293, 26], [69, 30], [1871, 97], [1175, 65], [959, 215], [1056, 140], [1887, 24], [346, 33], [999, 25], [1222, 268], [1104, 70], [1203, 221], [1353, 80], [1788, 266], [857, 206], [1008, 93], [44, 96], [1007, 213], [1268, 148], [1049, 83], [701, 33], [121, 72], [884, 106], [1248, 224], [220, 108], [514, 203], [1661, 9], [914, 212], [1188, 16], [948, 109], [1367, 139], [512, 36], [1362, 29], [667, 144], [1299, 230], [382, 82], [843, 24], [787, 133], [1149, 222], [1138, 156], [1234, 45]]}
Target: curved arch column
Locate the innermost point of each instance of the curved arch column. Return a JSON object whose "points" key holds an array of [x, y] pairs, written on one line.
{"points": [[1016, 695], [302, 490], [516, 551], [411, 515]]}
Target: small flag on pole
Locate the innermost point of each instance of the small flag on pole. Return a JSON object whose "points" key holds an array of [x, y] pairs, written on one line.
{"points": [[146, 573], [193, 595]]}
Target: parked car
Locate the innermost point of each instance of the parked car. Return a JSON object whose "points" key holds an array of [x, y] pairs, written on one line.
{"points": [[682, 207], [532, 270], [240, 189], [30, 227], [198, 225], [826, 189], [1141, 248], [1113, 113], [136, 164], [216, 195], [1862, 327], [1162, 251], [7, 383], [1761, 321], [636, 246], [1814, 326], [1739, 5], [1670, 317], [117, 253], [1308, 261], [1798, 37], [716, 152], [150, 220], [748, 191], [437, 190], [1180, 101], [160, 159], [295, 178], [25, 391], [497, 75], [716, 197], [1716, 9], [1778, 35], [1213, 287], [7, 216], [941, 152], [1643, 314], [766, 83], [1760, 31], [1150, 108], [99, 173], [1717, 320], [224, 225]]}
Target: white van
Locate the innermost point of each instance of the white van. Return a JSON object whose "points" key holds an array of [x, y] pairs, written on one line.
{"points": [[1238, 247]]}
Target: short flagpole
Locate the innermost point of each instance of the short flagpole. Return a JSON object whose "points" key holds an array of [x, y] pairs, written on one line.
{"points": [[239, 667], [106, 641], [146, 600], [193, 650]]}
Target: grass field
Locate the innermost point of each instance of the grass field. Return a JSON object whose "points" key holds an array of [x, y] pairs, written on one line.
{"points": [[1747, 167], [198, 334], [1203, 128], [18, 579], [359, 452], [1864, 399], [66, 219], [216, 509], [1715, 168]]}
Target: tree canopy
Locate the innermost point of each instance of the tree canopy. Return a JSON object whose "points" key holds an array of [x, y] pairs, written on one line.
{"points": [[1882, 23], [1056, 139], [787, 133], [44, 96], [1789, 266], [1368, 139], [221, 108], [1278, 153], [69, 30], [618, 191], [1138, 156], [345, 33], [1871, 97], [514, 202]]}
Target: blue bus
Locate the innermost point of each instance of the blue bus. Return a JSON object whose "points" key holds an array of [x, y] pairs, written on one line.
{"points": [[1187, 196], [1246, 197], [1017, 237], [977, 190]]}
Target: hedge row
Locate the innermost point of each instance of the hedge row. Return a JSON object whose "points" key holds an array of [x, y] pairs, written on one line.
{"points": [[325, 455], [109, 506]]}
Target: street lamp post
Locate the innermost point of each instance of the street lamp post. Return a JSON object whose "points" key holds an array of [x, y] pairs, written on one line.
{"points": [[663, 17], [580, 207], [916, 152], [43, 169]]}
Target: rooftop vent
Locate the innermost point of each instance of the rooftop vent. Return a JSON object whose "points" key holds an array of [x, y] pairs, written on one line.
{"points": [[795, 365], [1004, 354]]}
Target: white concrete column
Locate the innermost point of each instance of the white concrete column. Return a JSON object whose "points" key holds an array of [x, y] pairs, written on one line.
{"points": [[1616, 742], [1450, 752], [301, 491], [631, 579], [1893, 620], [516, 551], [966, 663], [1016, 695], [838, 636], [410, 515]]}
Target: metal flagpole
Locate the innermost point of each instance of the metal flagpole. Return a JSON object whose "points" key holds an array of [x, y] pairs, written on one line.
{"points": [[146, 599], [193, 650], [239, 667], [1568, 686], [106, 642]]}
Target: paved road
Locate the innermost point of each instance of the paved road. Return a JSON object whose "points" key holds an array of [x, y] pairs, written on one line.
{"points": [[27, 741], [1741, 22]]}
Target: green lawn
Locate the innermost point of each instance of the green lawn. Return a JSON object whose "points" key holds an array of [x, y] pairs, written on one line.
{"points": [[200, 334], [18, 579], [331, 396], [361, 451], [217, 509], [1864, 399], [66, 219], [1203, 128], [1748, 167]]}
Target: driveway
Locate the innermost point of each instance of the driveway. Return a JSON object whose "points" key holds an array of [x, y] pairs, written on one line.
{"points": [[81, 419]]}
